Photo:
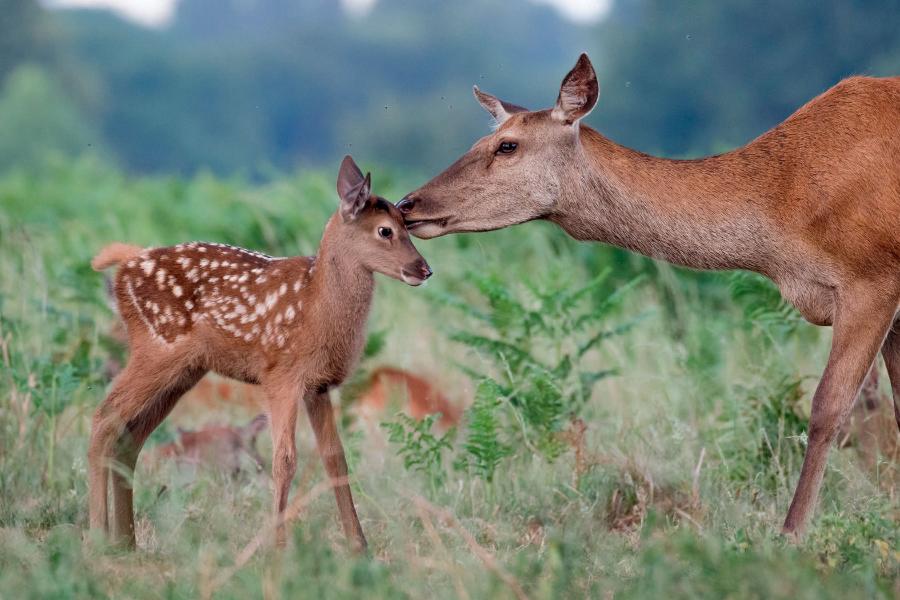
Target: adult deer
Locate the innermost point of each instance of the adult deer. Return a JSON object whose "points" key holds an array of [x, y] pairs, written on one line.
{"points": [[813, 204], [293, 325]]}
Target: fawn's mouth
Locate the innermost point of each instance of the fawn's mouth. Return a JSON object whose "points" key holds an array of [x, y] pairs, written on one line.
{"points": [[416, 277]]}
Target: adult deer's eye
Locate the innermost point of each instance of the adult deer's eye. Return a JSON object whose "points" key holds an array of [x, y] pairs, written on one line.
{"points": [[385, 232], [507, 148]]}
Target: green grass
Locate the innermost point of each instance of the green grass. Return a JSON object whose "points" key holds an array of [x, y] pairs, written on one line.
{"points": [[711, 365]]}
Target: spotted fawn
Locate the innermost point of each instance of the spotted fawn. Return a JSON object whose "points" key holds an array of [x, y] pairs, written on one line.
{"points": [[295, 326]]}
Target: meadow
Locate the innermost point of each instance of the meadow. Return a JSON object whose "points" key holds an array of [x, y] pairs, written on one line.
{"points": [[632, 430]]}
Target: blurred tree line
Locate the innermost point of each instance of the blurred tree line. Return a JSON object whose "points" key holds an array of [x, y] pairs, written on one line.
{"points": [[254, 85]]}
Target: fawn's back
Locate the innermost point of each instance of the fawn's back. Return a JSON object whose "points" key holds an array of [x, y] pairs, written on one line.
{"points": [[244, 295]]}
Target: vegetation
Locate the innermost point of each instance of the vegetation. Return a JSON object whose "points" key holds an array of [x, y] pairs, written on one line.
{"points": [[266, 85], [633, 430]]}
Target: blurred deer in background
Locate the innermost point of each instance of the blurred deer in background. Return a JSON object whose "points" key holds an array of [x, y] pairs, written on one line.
{"points": [[216, 446], [420, 397], [295, 326], [813, 204]]}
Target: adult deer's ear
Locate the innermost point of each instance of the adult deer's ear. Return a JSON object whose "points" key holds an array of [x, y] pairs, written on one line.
{"points": [[353, 188], [499, 109], [578, 92]]}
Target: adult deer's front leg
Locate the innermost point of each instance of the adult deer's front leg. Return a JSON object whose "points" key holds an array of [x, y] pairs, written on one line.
{"points": [[862, 319], [891, 353], [321, 417]]}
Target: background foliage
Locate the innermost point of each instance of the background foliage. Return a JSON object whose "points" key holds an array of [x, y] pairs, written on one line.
{"points": [[632, 430], [248, 85], [659, 460]]}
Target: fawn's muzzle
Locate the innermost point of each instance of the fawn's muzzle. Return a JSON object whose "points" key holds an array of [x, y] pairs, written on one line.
{"points": [[416, 273]]}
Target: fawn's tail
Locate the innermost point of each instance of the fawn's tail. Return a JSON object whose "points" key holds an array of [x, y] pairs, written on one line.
{"points": [[113, 254]]}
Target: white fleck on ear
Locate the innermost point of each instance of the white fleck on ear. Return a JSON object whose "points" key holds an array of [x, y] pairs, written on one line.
{"points": [[500, 110]]}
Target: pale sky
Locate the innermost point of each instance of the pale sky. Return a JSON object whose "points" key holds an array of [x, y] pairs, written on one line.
{"points": [[156, 13]]}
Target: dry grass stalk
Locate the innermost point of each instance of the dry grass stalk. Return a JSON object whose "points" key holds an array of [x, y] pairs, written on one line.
{"points": [[297, 505], [486, 557]]}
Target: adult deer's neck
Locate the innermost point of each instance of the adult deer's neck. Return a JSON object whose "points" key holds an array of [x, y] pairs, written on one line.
{"points": [[708, 213]]}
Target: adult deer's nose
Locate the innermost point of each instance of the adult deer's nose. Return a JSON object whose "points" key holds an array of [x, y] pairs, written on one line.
{"points": [[405, 205]]}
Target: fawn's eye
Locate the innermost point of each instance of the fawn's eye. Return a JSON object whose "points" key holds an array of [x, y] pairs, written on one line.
{"points": [[385, 232], [507, 148]]}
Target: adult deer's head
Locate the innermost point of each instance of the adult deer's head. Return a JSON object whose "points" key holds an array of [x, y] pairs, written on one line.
{"points": [[513, 175]]}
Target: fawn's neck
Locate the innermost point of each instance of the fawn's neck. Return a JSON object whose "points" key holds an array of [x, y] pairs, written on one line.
{"points": [[707, 213], [341, 287]]}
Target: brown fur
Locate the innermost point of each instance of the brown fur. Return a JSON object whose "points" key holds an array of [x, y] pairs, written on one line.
{"points": [[421, 397], [295, 326], [114, 254], [813, 204], [211, 391]]}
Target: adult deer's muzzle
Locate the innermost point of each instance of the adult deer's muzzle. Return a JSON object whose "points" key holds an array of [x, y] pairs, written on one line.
{"points": [[406, 204], [415, 210]]}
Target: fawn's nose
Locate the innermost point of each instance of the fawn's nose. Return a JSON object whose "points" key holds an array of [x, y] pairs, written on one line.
{"points": [[406, 204], [416, 272], [422, 269]]}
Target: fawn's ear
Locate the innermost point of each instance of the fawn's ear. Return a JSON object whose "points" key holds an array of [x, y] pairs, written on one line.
{"points": [[578, 92], [499, 109], [353, 188]]}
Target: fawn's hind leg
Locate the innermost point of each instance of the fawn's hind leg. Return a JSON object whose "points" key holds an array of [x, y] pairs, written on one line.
{"points": [[142, 390], [103, 431], [128, 446]]}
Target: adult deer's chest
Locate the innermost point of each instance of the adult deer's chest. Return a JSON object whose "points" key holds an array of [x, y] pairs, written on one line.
{"points": [[814, 301]]}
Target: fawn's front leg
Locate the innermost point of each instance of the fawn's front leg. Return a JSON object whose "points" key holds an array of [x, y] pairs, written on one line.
{"points": [[283, 400], [862, 319], [321, 417]]}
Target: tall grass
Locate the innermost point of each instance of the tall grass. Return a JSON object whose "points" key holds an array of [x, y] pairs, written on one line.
{"points": [[666, 476]]}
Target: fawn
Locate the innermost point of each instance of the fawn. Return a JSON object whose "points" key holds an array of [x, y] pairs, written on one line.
{"points": [[294, 326]]}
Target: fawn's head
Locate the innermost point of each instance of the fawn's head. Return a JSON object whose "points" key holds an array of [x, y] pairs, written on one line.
{"points": [[372, 230], [513, 175]]}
